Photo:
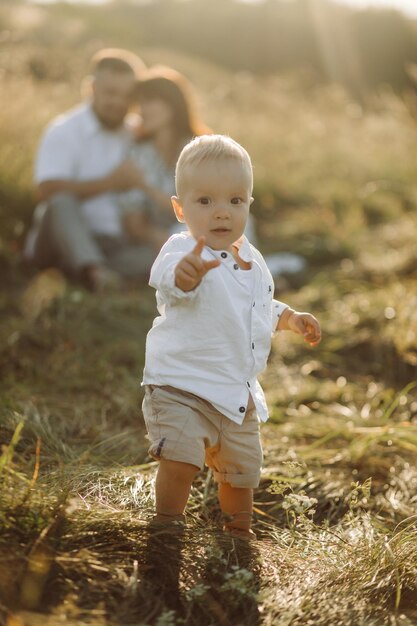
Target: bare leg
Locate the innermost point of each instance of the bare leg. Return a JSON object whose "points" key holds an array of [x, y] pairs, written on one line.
{"points": [[237, 504], [172, 488]]}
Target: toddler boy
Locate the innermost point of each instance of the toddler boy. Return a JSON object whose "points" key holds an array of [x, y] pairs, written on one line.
{"points": [[212, 338]]}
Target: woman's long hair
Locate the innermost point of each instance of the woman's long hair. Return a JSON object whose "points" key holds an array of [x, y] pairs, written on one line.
{"points": [[173, 88]]}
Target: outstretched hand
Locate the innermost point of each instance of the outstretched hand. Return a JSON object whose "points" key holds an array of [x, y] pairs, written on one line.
{"points": [[191, 269], [306, 325]]}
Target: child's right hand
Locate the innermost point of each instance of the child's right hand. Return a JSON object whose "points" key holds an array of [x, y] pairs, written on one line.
{"points": [[191, 269]]}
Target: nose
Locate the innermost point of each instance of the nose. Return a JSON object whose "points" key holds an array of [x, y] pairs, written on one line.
{"points": [[222, 211]]}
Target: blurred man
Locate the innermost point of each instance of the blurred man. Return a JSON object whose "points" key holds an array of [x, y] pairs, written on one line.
{"points": [[80, 167]]}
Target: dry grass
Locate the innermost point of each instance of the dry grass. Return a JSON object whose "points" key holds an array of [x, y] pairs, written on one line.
{"points": [[335, 512]]}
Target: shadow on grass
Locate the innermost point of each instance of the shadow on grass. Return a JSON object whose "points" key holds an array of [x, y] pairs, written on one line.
{"points": [[215, 583], [136, 573]]}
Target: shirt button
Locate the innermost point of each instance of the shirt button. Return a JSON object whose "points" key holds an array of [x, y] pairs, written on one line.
{"points": [[253, 304], [242, 409], [248, 384], [236, 266], [253, 345], [224, 255]]}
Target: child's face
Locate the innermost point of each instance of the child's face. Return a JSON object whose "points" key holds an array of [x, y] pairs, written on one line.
{"points": [[215, 201]]}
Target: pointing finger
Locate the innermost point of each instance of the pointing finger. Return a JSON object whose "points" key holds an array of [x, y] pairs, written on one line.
{"points": [[198, 249]]}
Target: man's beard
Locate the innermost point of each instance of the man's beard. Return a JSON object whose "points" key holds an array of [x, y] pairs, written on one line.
{"points": [[108, 122]]}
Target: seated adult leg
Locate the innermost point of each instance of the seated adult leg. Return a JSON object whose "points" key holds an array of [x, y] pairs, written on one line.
{"points": [[64, 239], [132, 261]]}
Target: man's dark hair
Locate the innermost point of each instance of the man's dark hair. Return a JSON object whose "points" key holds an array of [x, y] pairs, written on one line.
{"points": [[116, 60]]}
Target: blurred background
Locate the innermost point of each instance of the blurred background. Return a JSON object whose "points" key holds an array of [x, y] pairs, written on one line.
{"points": [[321, 93]]}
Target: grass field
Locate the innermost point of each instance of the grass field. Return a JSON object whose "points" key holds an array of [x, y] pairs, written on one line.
{"points": [[336, 509]]}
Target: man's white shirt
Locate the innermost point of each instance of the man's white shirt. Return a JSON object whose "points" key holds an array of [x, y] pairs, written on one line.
{"points": [[213, 341], [75, 146]]}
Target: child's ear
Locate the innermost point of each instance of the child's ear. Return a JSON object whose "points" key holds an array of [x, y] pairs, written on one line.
{"points": [[251, 200], [177, 206]]}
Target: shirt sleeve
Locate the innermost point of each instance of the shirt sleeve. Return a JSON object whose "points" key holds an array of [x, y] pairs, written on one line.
{"points": [[57, 155], [277, 310], [162, 276]]}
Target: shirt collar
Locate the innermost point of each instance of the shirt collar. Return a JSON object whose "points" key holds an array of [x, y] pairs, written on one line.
{"points": [[244, 249], [242, 244], [91, 122]]}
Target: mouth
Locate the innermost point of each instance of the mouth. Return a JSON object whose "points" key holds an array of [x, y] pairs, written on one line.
{"points": [[220, 231]]}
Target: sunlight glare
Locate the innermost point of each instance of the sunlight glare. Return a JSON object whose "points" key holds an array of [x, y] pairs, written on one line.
{"points": [[409, 7]]}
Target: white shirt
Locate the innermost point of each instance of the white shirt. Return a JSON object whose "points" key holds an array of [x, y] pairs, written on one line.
{"points": [[215, 340], [155, 172], [75, 146]]}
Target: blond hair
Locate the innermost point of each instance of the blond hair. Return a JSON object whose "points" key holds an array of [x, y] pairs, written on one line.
{"points": [[210, 148]]}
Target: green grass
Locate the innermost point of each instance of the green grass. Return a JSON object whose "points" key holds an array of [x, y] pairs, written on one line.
{"points": [[335, 511]]}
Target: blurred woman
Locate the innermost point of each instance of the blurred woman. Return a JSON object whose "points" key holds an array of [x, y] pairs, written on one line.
{"points": [[169, 121]]}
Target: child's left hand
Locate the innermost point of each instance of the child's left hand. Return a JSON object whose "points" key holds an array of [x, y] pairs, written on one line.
{"points": [[306, 325]]}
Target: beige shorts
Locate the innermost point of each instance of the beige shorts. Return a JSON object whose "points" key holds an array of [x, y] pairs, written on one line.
{"points": [[183, 427]]}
